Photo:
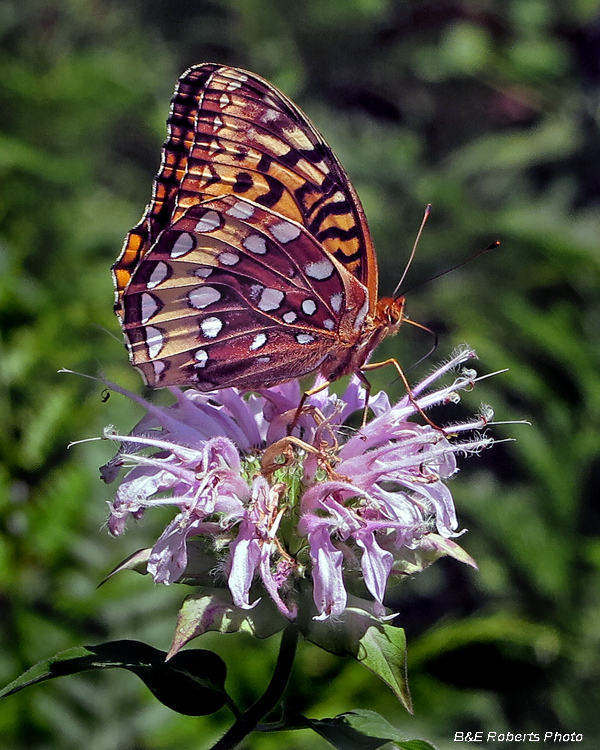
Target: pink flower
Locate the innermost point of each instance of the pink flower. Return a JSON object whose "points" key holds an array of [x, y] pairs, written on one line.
{"points": [[255, 546], [275, 513]]}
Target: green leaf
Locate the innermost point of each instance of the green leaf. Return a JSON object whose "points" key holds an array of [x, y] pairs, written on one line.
{"points": [[190, 683], [362, 730], [377, 645], [433, 546], [383, 651], [136, 561], [215, 610]]}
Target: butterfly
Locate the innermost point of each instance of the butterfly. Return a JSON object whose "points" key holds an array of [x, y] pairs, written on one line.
{"points": [[253, 263]]}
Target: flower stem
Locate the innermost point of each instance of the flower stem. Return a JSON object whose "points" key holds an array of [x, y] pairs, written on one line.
{"points": [[247, 722]]}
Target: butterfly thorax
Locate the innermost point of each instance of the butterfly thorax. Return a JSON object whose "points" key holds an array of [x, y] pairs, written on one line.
{"points": [[356, 346]]}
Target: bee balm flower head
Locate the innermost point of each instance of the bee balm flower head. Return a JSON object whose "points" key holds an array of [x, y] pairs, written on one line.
{"points": [[326, 510]]}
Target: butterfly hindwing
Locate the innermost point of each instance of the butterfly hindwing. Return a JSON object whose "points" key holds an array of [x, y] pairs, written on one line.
{"points": [[234, 294]]}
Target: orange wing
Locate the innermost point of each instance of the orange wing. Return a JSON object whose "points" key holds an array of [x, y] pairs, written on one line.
{"points": [[230, 132]]}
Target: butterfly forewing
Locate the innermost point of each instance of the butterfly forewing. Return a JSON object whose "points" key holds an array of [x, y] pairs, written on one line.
{"points": [[234, 294], [232, 133]]}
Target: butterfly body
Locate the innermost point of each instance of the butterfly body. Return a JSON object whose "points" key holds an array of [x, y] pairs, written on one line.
{"points": [[355, 346], [253, 263]]}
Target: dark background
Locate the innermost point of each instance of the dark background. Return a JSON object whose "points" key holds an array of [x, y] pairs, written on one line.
{"points": [[488, 110]]}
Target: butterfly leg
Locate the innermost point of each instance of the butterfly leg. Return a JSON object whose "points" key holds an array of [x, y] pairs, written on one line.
{"points": [[403, 378], [326, 384], [299, 410], [363, 379], [281, 454]]}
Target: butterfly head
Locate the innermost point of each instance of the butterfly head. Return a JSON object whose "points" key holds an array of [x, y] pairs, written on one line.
{"points": [[389, 314]]}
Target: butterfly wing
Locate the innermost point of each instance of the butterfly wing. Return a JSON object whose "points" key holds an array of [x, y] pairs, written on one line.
{"points": [[230, 132], [234, 294]]}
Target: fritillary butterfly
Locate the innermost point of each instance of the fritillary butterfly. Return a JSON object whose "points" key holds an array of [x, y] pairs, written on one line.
{"points": [[253, 263]]}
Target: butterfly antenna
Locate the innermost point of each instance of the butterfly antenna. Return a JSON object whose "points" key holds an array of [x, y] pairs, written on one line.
{"points": [[119, 339], [414, 250], [487, 249], [432, 348]]}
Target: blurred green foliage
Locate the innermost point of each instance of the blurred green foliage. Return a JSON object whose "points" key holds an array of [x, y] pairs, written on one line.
{"points": [[487, 109]]}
